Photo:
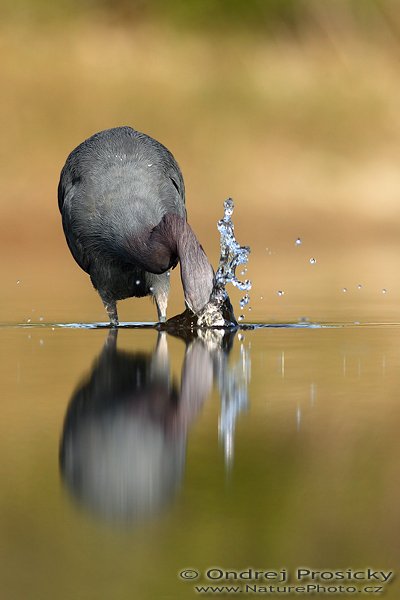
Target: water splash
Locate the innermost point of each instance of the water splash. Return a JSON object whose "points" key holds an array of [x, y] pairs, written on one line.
{"points": [[232, 255], [244, 301]]}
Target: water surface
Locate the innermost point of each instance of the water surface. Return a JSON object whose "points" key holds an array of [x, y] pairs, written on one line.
{"points": [[128, 458]]}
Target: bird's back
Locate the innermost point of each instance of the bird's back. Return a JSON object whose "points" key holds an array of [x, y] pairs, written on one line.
{"points": [[117, 186]]}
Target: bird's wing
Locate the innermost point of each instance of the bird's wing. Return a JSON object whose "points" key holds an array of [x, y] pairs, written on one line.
{"points": [[67, 190]]}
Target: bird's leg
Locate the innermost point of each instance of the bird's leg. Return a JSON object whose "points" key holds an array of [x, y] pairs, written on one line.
{"points": [[161, 310], [161, 298], [111, 308]]}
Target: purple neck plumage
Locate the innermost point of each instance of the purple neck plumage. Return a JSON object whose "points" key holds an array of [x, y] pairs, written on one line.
{"points": [[173, 239], [196, 272]]}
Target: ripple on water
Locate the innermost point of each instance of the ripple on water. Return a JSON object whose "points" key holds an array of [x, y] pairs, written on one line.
{"points": [[241, 327]]}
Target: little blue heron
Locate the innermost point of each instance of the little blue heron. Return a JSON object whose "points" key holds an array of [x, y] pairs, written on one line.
{"points": [[122, 200]]}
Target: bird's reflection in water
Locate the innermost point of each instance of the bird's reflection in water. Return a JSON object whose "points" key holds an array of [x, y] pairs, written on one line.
{"points": [[123, 444]]}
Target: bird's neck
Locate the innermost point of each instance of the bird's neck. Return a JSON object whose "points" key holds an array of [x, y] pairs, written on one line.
{"points": [[196, 271]]}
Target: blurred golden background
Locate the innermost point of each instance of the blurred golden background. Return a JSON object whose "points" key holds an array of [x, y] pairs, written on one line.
{"points": [[292, 108], [288, 106]]}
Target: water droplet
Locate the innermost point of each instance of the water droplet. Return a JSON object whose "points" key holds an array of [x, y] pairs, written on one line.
{"points": [[151, 289], [344, 290], [303, 320], [53, 328], [41, 342], [40, 318], [280, 293], [244, 301], [168, 273], [298, 242], [137, 281], [240, 337], [28, 320], [229, 206], [384, 291], [18, 281], [313, 261], [261, 297], [359, 287], [150, 165], [240, 317]]}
